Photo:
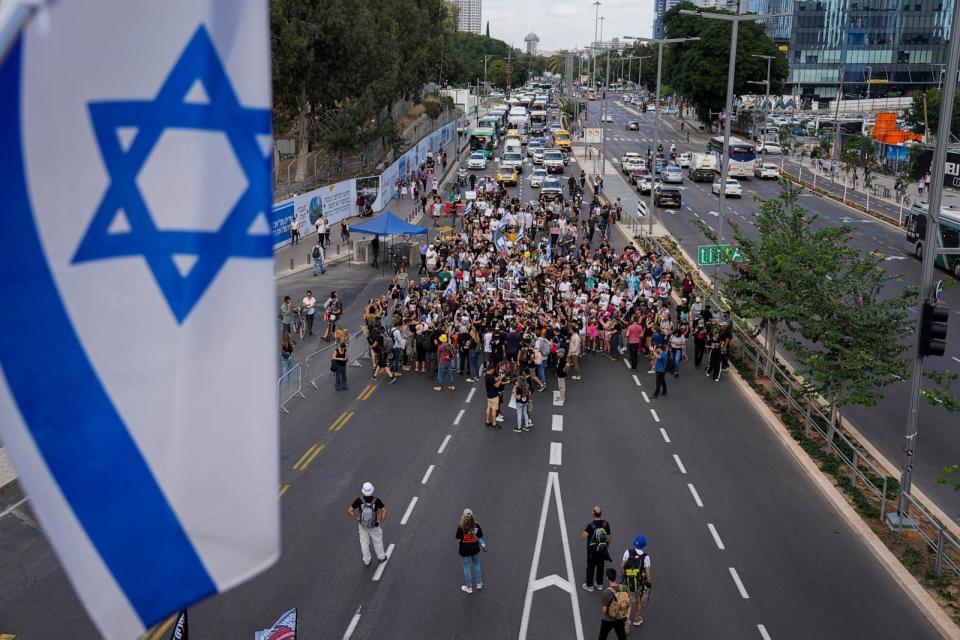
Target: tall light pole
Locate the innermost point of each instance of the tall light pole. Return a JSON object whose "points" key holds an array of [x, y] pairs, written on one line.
{"points": [[630, 60], [766, 99], [735, 19], [656, 122], [486, 56], [593, 54], [869, 78], [901, 519]]}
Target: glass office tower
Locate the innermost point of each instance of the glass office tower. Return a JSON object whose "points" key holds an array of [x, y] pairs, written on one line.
{"points": [[894, 47]]}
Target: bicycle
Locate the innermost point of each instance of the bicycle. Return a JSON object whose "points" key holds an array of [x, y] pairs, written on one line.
{"points": [[299, 325]]}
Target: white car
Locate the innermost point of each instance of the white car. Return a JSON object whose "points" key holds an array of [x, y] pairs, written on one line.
{"points": [[733, 190], [630, 160], [771, 148], [537, 178], [767, 170], [684, 159], [512, 159], [607, 118], [477, 161]]}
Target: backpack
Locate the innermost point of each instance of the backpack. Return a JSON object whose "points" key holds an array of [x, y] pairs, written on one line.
{"points": [[599, 540], [633, 575], [388, 342], [368, 513], [316, 253], [620, 605]]}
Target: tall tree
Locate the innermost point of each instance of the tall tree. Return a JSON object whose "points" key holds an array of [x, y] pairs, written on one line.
{"points": [[925, 110]]}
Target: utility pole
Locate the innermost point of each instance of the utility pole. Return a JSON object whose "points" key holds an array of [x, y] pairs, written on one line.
{"points": [[869, 78], [509, 67], [736, 19], [593, 54], [901, 519], [766, 99], [486, 57], [836, 118]]}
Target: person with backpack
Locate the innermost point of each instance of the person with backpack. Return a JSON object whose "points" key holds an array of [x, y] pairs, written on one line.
{"points": [[446, 353], [317, 255], [471, 544], [660, 365], [598, 536], [614, 608], [635, 569], [369, 513]]}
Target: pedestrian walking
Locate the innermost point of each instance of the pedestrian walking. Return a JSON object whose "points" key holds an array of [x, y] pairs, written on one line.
{"points": [[286, 314], [310, 305], [562, 375], [471, 543], [492, 382], [294, 231], [714, 358], [375, 250], [344, 232], [598, 535], [660, 368], [636, 578], [699, 343], [634, 337], [369, 512], [338, 364], [573, 352], [286, 352], [446, 354], [318, 255], [614, 609], [678, 350], [521, 398]]}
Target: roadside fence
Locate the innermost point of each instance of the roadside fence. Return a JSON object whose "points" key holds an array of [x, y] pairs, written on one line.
{"points": [[816, 412], [317, 366], [289, 386]]}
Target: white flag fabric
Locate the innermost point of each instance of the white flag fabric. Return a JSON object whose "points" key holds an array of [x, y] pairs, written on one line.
{"points": [[137, 396]]}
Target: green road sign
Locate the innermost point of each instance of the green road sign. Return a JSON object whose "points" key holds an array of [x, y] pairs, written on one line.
{"points": [[713, 254]]}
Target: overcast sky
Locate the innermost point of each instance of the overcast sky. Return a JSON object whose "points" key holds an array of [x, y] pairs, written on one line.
{"points": [[564, 24]]}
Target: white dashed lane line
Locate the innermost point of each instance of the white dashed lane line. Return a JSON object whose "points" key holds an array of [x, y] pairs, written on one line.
{"points": [[557, 424], [716, 536], [556, 453], [636, 379], [763, 632], [443, 445], [696, 496], [383, 565], [680, 466], [645, 397], [459, 417], [426, 476], [653, 412], [406, 514], [663, 432], [740, 587], [470, 395]]}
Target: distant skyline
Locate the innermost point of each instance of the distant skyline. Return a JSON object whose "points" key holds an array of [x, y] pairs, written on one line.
{"points": [[565, 24]]}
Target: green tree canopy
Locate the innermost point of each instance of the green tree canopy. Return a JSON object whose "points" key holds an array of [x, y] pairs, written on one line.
{"points": [[915, 114]]}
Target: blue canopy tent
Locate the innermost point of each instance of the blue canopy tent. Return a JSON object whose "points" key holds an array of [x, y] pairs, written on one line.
{"points": [[388, 225]]}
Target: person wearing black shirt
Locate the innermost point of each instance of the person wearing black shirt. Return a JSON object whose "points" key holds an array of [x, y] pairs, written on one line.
{"points": [[562, 375], [492, 383], [375, 250], [597, 548], [714, 346]]}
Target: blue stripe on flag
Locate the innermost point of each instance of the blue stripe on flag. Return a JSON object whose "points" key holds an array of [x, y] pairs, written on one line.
{"points": [[79, 433]]}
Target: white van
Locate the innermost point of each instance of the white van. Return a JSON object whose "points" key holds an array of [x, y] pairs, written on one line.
{"points": [[702, 167], [512, 145]]}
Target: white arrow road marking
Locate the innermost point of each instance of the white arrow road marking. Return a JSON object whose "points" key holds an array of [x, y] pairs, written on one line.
{"points": [[895, 258], [568, 584], [714, 213]]}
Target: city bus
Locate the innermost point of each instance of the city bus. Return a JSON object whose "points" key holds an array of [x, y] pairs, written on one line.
{"points": [[949, 235], [538, 122], [490, 122], [743, 156], [484, 140]]}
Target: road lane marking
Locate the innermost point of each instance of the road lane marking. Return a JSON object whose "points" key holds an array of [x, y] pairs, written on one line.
{"points": [[353, 625], [663, 432], [636, 379], [342, 420], [557, 422], [653, 412], [645, 397], [680, 466], [304, 457], [459, 417], [369, 392], [406, 514], [626, 362], [364, 391], [955, 358], [763, 632], [383, 565], [470, 395], [556, 453], [443, 445], [160, 631], [284, 489], [696, 496], [716, 536], [426, 476], [11, 508], [567, 584], [736, 578], [556, 399], [313, 455]]}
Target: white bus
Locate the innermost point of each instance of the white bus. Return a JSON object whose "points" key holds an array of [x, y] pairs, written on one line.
{"points": [[949, 221], [743, 156]]}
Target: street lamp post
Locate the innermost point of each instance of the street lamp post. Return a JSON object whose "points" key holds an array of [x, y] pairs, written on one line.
{"points": [[593, 55], [486, 57], [869, 78], [766, 98], [736, 19], [656, 122]]}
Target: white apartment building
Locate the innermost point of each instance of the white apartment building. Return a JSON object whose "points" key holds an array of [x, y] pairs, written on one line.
{"points": [[470, 15]]}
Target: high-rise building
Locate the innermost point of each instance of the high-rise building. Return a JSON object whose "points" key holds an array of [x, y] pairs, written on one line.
{"points": [[532, 41], [890, 46], [778, 28], [470, 12], [660, 8]]}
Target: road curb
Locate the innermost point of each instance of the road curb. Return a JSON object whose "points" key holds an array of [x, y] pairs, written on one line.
{"points": [[914, 590]]}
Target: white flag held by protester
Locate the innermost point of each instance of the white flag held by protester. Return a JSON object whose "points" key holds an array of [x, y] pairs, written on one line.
{"points": [[137, 395]]}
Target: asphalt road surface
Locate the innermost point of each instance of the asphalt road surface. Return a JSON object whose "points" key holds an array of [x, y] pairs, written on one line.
{"points": [[742, 544], [883, 424]]}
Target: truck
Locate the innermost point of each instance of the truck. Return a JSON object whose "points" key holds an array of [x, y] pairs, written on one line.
{"points": [[703, 167]]}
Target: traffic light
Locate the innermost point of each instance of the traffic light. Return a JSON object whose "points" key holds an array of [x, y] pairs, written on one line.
{"points": [[933, 329]]}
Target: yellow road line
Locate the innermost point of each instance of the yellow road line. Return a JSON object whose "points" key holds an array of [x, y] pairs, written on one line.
{"points": [[160, 631], [366, 390], [342, 420], [304, 457], [314, 455], [283, 489], [7, 636]]}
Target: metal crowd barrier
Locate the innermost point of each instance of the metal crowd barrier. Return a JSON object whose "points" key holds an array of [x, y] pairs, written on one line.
{"points": [[290, 385], [317, 364]]}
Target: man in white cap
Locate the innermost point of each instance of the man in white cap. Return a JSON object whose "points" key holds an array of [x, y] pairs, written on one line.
{"points": [[369, 512]]}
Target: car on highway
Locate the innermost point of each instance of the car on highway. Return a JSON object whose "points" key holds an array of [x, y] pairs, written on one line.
{"points": [[635, 174], [607, 118], [659, 164], [508, 176], [630, 161], [477, 161], [672, 173], [538, 155], [554, 126], [664, 196], [533, 144], [733, 190], [684, 159], [771, 148], [551, 189], [644, 182], [670, 111], [633, 125], [512, 159], [767, 170], [553, 160], [537, 178]]}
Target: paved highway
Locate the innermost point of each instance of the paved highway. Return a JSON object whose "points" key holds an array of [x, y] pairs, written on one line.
{"points": [[883, 424], [743, 544]]}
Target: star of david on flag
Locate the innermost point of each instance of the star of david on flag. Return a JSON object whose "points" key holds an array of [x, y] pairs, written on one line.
{"points": [[135, 147]]}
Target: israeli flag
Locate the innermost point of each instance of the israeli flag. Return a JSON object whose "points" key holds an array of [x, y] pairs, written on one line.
{"points": [[137, 333]]}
